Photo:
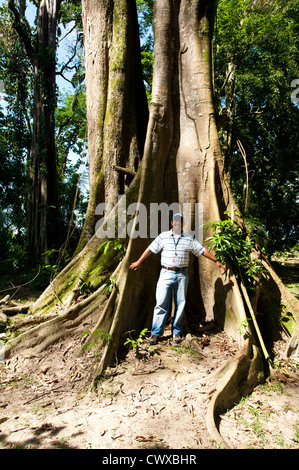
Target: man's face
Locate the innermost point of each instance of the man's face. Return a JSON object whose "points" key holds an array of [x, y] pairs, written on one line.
{"points": [[177, 224]]}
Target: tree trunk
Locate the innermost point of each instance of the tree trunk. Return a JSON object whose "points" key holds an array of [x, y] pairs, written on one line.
{"points": [[42, 226], [181, 163], [117, 111], [227, 116], [43, 204]]}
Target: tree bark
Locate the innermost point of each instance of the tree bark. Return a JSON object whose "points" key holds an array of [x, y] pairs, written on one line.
{"points": [[117, 110], [182, 163], [43, 200]]}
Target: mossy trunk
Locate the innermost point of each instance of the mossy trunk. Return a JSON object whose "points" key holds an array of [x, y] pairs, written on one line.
{"points": [[117, 110], [182, 163]]}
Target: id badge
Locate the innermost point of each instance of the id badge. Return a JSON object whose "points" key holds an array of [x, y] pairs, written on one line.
{"points": [[175, 260]]}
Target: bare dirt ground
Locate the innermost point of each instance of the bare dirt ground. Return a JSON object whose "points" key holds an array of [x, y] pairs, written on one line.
{"points": [[158, 401]]}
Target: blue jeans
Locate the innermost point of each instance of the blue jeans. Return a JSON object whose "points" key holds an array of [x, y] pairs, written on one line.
{"points": [[168, 280]]}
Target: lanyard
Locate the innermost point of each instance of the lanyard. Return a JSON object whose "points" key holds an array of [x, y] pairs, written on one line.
{"points": [[176, 243]]}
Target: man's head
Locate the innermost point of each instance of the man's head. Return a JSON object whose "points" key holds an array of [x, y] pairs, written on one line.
{"points": [[177, 223]]}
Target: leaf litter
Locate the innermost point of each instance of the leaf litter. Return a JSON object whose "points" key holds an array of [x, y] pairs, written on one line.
{"points": [[158, 401]]}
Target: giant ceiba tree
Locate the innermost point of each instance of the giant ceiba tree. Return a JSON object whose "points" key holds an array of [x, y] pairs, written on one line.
{"points": [[172, 156]]}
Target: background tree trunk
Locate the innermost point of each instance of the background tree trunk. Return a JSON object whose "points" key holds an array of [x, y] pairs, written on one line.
{"points": [[43, 231], [43, 207]]}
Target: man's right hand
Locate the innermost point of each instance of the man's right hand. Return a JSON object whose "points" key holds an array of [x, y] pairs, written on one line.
{"points": [[137, 263]]}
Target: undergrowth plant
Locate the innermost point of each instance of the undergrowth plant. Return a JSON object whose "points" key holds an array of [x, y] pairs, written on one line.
{"points": [[234, 246], [136, 343]]}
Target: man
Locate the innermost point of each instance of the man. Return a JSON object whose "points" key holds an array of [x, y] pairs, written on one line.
{"points": [[175, 246]]}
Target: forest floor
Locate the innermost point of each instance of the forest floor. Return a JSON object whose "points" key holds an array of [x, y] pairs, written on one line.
{"points": [[156, 401]]}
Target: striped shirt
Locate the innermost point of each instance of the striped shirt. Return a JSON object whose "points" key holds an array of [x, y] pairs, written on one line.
{"points": [[175, 248]]}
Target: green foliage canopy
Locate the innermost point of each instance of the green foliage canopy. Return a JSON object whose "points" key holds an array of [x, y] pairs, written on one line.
{"points": [[260, 42]]}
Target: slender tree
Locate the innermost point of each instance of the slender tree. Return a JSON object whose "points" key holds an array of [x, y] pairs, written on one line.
{"points": [[15, 133], [41, 51]]}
